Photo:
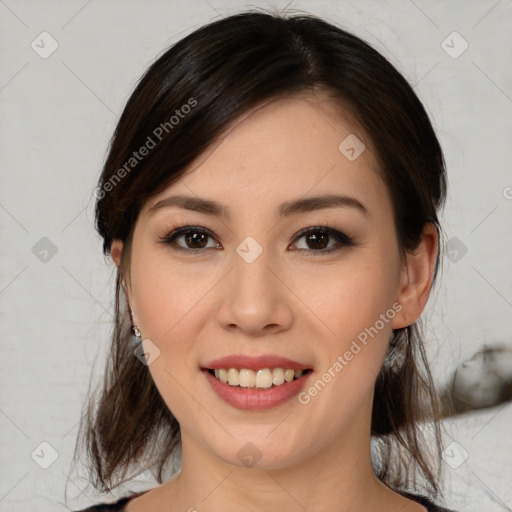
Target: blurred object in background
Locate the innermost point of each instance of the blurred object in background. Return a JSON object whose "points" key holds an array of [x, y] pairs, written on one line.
{"points": [[483, 381]]}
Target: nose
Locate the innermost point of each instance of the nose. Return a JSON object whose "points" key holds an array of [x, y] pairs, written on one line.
{"points": [[254, 298]]}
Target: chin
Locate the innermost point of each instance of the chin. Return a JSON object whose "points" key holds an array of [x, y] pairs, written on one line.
{"points": [[259, 452]]}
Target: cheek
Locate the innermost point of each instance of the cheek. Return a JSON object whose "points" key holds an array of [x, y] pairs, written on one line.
{"points": [[172, 309], [350, 298], [356, 309], [167, 293]]}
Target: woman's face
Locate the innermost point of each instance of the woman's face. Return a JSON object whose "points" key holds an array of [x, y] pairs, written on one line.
{"points": [[254, 286]]}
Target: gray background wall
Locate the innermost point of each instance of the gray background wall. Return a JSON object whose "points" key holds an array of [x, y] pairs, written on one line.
{"points": [[57, 113]]}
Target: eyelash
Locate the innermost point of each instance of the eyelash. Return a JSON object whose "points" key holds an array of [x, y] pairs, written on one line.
{"points": [[342, 239]]}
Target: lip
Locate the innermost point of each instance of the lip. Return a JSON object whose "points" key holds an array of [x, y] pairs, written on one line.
{"points": [[256, 399], [240, 361]]}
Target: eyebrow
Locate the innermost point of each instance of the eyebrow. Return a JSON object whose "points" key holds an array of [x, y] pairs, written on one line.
{"points": [[302, 205]]}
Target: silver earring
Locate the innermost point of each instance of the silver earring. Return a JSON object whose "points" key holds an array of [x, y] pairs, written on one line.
{"points": [[135, 330]]}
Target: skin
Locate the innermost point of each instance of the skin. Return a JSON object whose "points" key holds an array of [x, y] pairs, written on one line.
{"points": [[305, 305]]}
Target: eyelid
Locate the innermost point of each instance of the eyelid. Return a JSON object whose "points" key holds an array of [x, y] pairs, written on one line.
{"points": [[342, 239], [176, 231], [323, 228]]}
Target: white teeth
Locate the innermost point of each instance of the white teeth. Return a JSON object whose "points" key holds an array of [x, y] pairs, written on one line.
{"points": [[223, 375], [247, 379], [260, 379], [288, 375], [277, 376], [264, 379], [233, 377]]}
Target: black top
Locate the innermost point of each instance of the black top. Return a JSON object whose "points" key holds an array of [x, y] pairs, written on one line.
{"points": [[119, 505]]}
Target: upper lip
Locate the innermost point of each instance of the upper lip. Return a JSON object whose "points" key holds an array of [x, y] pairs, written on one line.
{"points": [[255, 362]]}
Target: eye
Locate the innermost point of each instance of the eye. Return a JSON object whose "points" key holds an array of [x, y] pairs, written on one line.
{"points": [[194, 237], [318, 238]]}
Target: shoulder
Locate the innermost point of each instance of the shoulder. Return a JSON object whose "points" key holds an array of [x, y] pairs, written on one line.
{"points": [[426, 502], [117, 506]]}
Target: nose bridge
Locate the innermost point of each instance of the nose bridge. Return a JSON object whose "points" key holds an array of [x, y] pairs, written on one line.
{"points": [[252, 296], [252, 278]]}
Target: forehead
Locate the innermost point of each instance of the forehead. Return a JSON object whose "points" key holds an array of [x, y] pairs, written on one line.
{"points": [[287, 147]]}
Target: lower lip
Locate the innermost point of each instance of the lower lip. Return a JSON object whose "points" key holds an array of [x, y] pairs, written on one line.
{"points": [[256, 399]]}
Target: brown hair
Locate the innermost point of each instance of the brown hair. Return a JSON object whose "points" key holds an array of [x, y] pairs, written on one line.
{"points": [[221, 71]]}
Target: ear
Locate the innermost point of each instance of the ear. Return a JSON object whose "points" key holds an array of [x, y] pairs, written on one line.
{"points": [[116, 251], [416, 278]]}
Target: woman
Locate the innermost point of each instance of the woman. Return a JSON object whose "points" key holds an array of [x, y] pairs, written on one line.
{"points": [[270, 199]]}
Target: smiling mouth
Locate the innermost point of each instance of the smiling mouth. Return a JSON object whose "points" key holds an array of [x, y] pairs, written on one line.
{"points": [[265, 378]]}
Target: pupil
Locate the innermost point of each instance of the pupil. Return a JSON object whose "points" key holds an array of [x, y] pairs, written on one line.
{"points": [[315, 239], [194, 239]]}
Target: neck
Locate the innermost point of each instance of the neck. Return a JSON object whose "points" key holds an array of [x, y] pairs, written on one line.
{"points": [[340, 478]]}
